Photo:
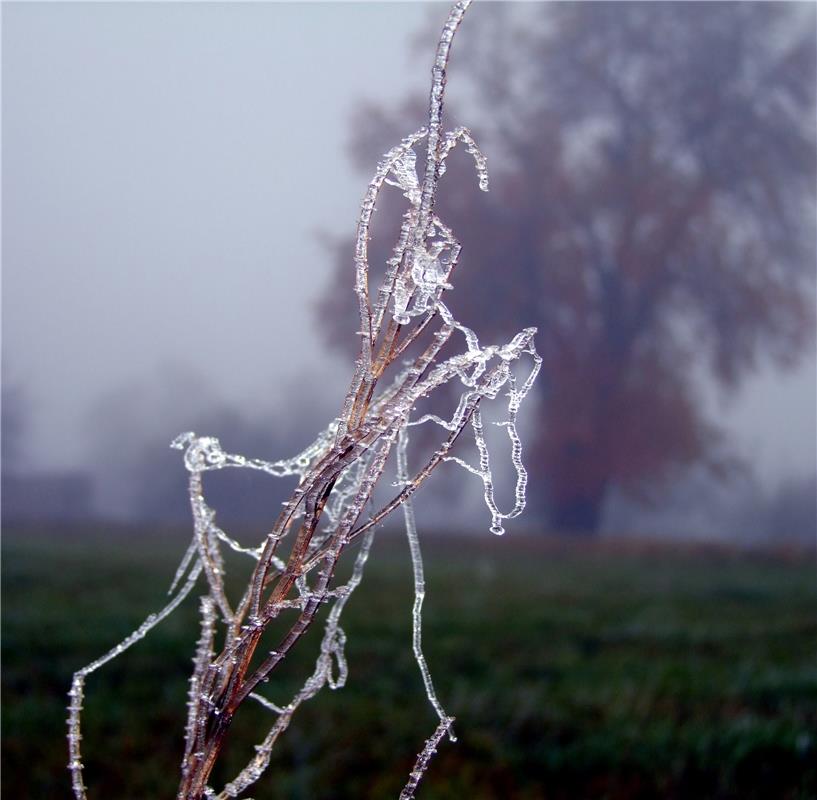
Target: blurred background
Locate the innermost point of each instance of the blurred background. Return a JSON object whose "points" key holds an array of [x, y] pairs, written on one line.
{"points": [[180, 186]]}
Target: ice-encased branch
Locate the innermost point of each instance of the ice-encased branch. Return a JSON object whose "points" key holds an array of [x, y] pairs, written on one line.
{"points": [[424, 757], [337, 473]]}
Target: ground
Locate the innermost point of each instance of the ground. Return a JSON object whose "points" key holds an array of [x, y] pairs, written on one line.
{"points": [[622, 670]]}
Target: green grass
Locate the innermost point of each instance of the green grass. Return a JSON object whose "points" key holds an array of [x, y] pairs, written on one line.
{"points": [[574, 670]]}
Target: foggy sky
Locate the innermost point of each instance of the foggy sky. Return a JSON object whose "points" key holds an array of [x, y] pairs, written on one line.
{"points": [[166, 168]]}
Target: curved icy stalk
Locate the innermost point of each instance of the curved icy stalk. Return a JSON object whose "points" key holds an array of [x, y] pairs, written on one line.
{"points": [[77, 693], [435, 119], [419, 584]]}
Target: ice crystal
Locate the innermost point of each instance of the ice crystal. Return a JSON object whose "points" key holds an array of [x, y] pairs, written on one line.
{"points": [[337, 474]]}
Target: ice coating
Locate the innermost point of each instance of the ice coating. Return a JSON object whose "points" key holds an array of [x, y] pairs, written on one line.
{"points": [[331, 511]]}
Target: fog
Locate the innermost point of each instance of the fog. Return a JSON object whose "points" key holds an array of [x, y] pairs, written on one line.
{"points": [[166, 170], [170, 174]]}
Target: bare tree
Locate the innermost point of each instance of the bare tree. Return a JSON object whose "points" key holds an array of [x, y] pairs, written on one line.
{"points": [[405, 331]]}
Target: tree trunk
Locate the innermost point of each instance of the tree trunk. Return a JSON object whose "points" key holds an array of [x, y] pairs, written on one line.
{"points": [[578, 514]]}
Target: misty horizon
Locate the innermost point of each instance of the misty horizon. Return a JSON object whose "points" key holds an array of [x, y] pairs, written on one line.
{"points": [[169, 183]]}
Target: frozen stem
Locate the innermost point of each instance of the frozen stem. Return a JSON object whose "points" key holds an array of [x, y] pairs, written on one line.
{"points": [[337, 474]]}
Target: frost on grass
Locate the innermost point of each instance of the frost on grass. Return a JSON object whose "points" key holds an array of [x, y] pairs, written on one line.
{"points": [[337, 474]]}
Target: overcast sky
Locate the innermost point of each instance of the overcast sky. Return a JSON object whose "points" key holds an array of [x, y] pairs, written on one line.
{"points": [[165, 170]]}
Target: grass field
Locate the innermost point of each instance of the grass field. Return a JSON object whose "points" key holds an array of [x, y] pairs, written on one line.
{"points": [[607, 670]]}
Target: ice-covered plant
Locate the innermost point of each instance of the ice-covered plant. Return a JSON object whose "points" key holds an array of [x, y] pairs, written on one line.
{"points": [[337, 473]]}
